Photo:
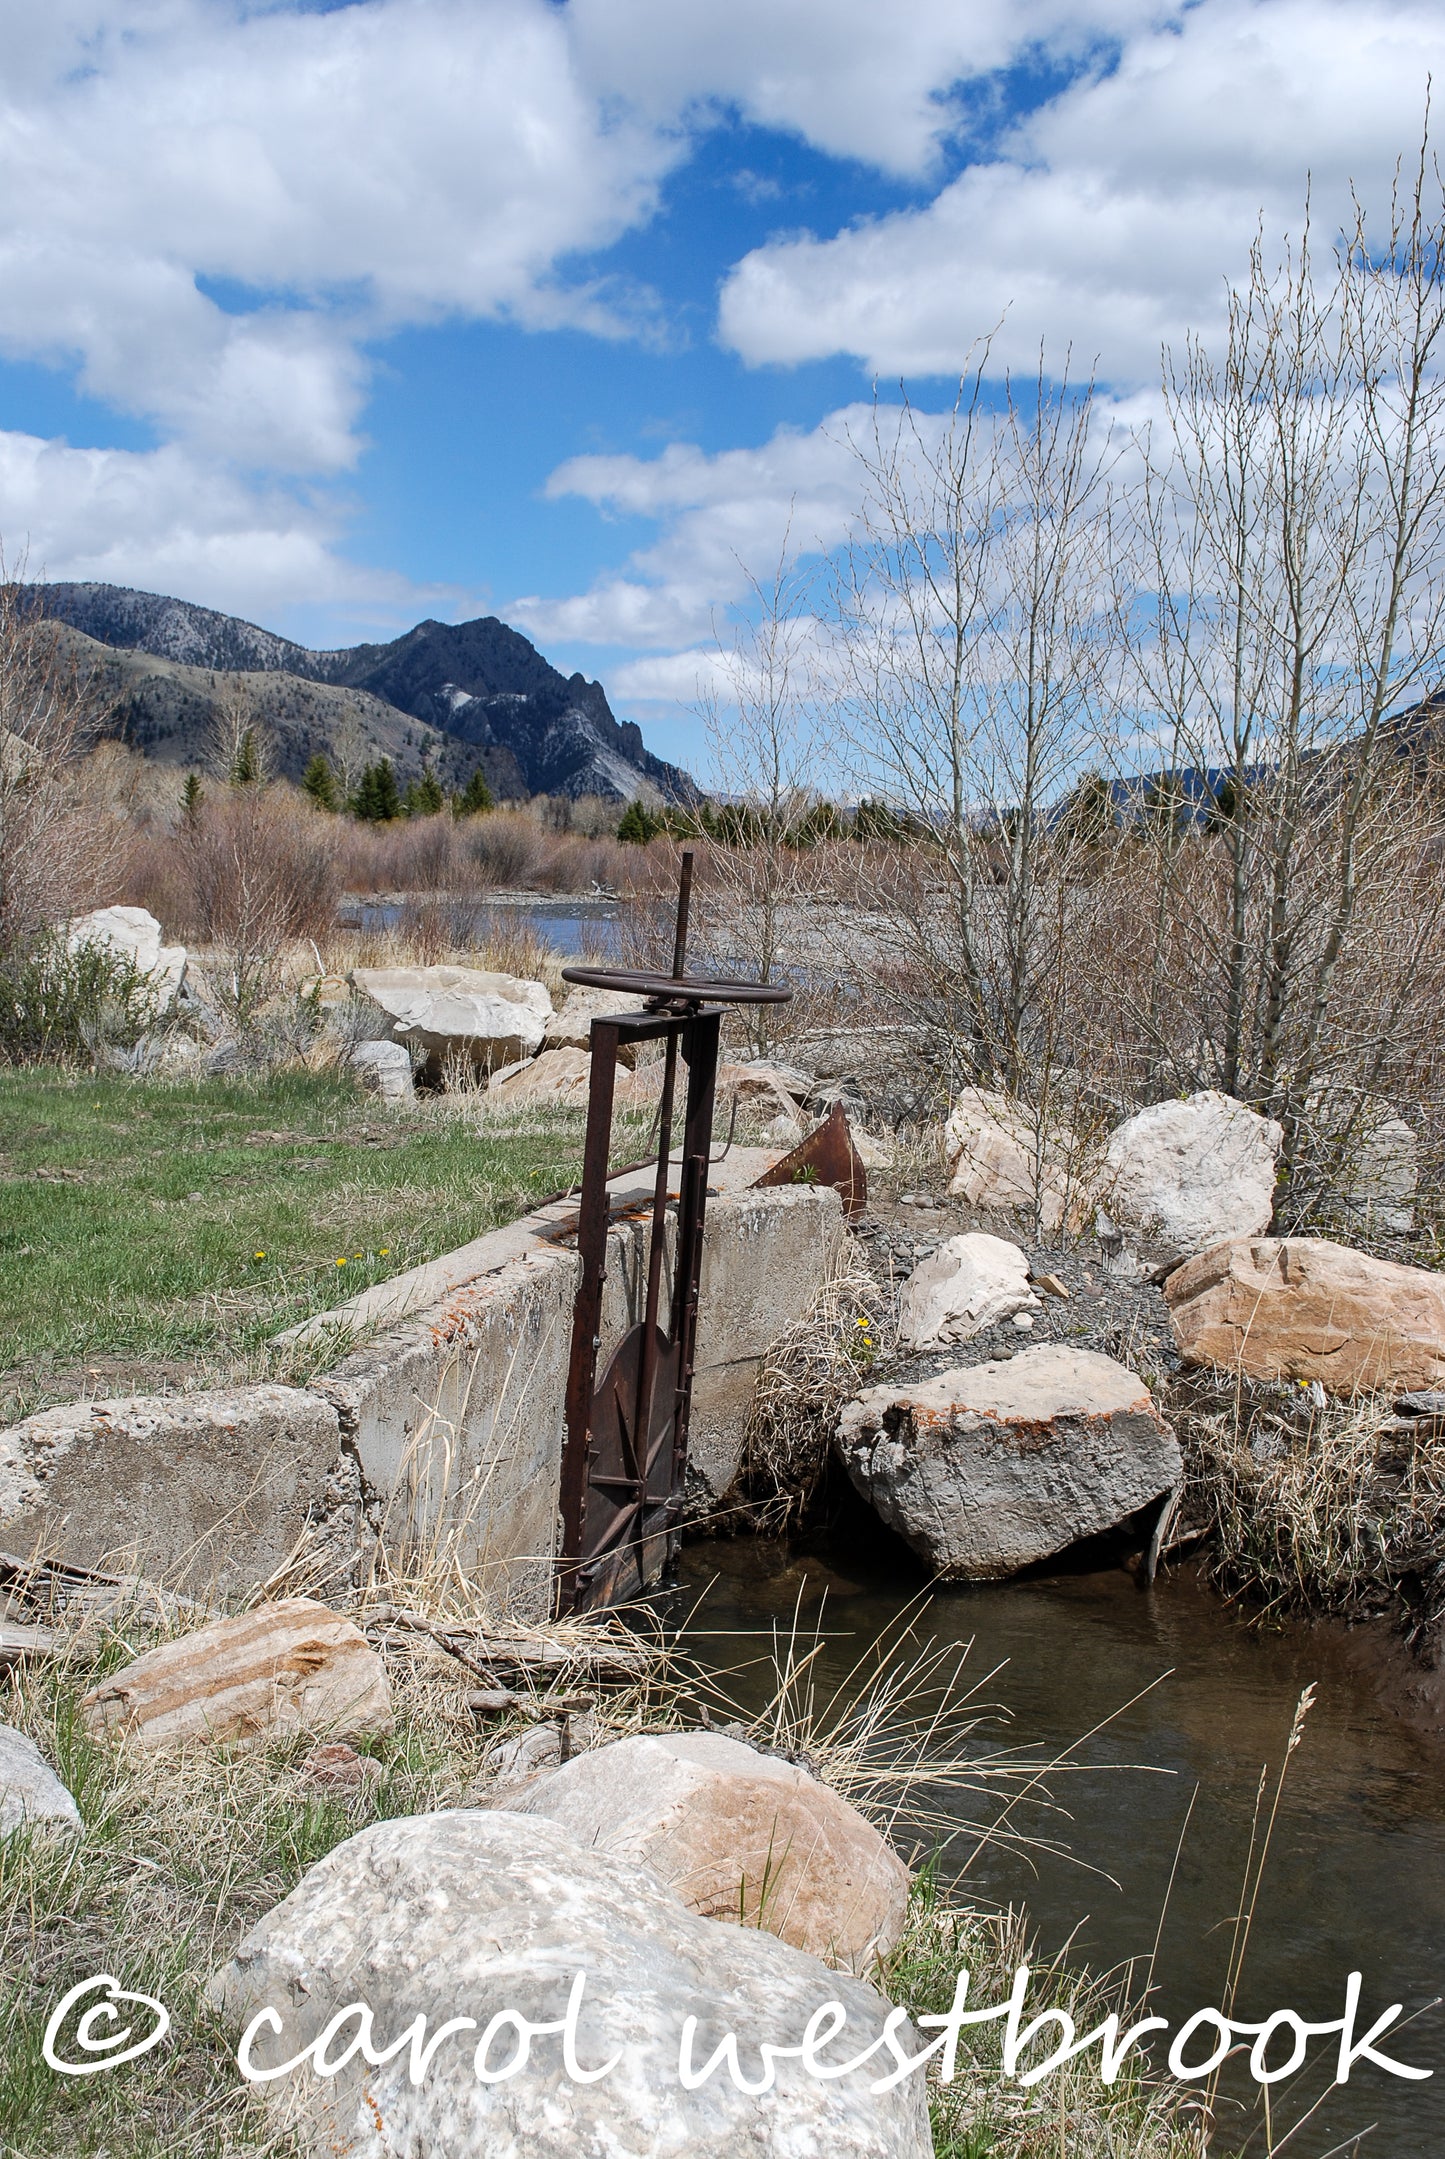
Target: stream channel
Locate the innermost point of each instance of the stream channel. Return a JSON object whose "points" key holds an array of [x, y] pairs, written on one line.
{"points": [[1161, 1698]]}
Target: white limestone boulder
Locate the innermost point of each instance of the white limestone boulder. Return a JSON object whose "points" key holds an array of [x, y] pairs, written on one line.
{"points": [[471, 1913], [30, 1791], [737, 1835], [1187, 1175], [969, 1283], [1001, 1162], [992, 1467], [570, 1027], [467, 1013], [134, 934], [385, 1069], [292, 1666]]}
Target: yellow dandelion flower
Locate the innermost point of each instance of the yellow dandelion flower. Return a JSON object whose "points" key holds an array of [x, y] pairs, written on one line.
{"points": [[341, 1263], [382, 1254], [258, 1255]]}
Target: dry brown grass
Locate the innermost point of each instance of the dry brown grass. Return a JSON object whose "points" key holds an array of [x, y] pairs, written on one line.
{"points": [[804, 1379], [1337, 1508]]}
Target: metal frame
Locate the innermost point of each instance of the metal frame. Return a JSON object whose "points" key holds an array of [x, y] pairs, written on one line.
{"points": [[625, 1454]]}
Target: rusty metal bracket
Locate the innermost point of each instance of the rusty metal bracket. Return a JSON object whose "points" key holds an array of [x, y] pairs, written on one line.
{"points": [[826, 1156]]}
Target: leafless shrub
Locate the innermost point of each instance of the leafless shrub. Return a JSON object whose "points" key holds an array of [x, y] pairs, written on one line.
{"points": [[259, 869], [1308, 1508], [61, 844]]}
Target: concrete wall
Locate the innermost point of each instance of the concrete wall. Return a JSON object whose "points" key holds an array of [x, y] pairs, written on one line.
{"points": [[450, 1415], [208, 1493]]}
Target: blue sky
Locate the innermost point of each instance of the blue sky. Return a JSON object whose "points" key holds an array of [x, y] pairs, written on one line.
{"points": [[336, 316]]}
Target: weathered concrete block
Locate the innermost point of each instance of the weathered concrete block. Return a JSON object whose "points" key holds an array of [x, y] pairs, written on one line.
{"points": [[456, 1418], [765, 1257], [987, 1469], [199, 1491]]}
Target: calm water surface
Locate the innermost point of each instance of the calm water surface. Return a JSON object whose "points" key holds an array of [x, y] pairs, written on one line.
{"points": [[1356, 1872]]}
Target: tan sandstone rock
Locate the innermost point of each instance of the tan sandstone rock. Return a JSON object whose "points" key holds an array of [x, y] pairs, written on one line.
{"points": [[286, 1667], [560, 1075], [999, 1162], [1307, 1308], [736, 1835], [988, 1468]]}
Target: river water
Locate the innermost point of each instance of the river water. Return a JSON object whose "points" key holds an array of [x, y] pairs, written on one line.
{"points": [[1172, 1705]]}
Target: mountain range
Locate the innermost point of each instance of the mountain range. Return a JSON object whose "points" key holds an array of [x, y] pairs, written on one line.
{"points": [[174, 677]]}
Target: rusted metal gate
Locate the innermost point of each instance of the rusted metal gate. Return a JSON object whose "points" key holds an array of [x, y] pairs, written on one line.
{"points": [[626, 1447]]}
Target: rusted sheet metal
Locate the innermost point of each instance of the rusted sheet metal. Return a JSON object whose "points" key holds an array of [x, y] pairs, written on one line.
{"points": [[826, 1156]]}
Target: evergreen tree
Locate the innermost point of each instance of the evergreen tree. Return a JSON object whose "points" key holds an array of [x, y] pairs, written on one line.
{"points": [[246, 764], [475, 798], [192, 795], [638, 825], [319, 782], [424, 796], [1086, 815], [378, 798]]}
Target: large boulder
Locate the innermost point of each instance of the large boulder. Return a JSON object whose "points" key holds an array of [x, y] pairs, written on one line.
{"points": [[1001, 1162], [736, 1835], [288, 1667], [1186, 1175], [969, 1283], [456, 1012], [1306, 1308], [134, 934], [987, 1469], [570, 1027], [764, 1092], [30, 1791], [385, 1068], [473, 1914], [561, 1075]]}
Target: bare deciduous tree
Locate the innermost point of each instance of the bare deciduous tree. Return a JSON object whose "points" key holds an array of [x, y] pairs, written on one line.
{"points": [[1292, 522], [60, 848], [973, 631], [762, 726]]}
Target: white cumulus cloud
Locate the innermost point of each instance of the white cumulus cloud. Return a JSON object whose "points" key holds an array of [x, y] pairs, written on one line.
{"points": [[1116, 211]]}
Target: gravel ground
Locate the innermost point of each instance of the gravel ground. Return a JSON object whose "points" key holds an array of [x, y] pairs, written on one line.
{"points": [[1105, 1310]]}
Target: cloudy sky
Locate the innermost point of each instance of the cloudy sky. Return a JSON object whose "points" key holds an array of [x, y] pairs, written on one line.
{"points": [[335, 315]]}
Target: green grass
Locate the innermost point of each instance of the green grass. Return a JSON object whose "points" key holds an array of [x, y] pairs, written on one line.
{"points": [[155, 1232]]}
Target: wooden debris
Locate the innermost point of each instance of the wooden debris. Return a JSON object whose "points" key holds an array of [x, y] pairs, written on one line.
{"points": [[592, 1656], [500, 1702], [20, 1643], [1052, 1284]]}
